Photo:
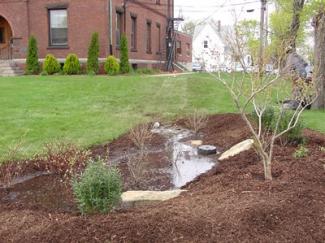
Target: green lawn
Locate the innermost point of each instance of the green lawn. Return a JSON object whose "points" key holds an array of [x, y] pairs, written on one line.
{"points": [[90, 110]]}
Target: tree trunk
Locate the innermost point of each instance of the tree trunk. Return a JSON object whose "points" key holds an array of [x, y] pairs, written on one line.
{"points": [[267, 169], [319, 68], [298, 5], [290, 44]]}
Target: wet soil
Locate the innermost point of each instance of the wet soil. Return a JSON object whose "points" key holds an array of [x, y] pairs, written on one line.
{"points": [[230, 203]]}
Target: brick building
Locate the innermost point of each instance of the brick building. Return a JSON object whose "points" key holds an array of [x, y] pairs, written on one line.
{"points": [[183, 53], [66, 26]]}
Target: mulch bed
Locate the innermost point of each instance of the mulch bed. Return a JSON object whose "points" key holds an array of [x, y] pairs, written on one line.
{"points": [[231, 203]]}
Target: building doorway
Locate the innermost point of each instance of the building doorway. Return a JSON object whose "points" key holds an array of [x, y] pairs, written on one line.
{"points": [[5, 39]]}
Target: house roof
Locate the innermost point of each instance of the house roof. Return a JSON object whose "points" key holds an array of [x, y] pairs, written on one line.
{"points": [[214, 25]]}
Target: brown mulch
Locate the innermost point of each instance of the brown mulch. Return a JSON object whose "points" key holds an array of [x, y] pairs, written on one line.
{"points": [[231, 203]]}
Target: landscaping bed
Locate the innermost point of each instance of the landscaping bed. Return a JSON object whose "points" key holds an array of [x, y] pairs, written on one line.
{"points": [[230, 203]]}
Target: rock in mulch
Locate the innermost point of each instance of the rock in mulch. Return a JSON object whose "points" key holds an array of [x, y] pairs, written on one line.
{"points": [[196, 142], [237, 149], [149, 196]]}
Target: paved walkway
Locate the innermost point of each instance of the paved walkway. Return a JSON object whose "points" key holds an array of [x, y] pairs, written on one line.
{"points": [[170, 74]]}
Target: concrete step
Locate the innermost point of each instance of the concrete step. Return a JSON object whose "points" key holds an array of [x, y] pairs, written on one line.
{"points": [[9, 68]]}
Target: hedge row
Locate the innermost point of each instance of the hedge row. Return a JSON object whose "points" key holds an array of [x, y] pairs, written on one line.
{"points": [[72, 64]]}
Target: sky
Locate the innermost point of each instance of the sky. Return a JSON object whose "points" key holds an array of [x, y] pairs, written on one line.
{"points": [[223, 10]]}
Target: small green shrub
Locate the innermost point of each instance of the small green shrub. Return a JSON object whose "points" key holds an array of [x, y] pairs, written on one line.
{"points": [[98, 189], [51, 65], [32, 63], [71, 65], [93, 54], [294, 135], [301, 152], [124, 57], [269, 119], [111, 66]]}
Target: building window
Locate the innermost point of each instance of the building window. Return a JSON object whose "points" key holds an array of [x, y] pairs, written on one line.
{"points": [[157, 1], [119, 21], [58, 27], [179, 47], [188, 49], [159, 38], [2, 35], [205, 44], [148, 37], [133, 33]]}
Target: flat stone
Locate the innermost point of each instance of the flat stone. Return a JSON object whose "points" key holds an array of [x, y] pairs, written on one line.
{"points": [[141, 196], [237, 149], [196, 142]]}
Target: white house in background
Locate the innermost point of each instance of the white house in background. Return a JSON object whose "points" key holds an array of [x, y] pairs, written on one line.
{"points": [[210, 48]]}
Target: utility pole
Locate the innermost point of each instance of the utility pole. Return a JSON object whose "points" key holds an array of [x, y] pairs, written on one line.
{"points": [[124, 19], [262, 40]]}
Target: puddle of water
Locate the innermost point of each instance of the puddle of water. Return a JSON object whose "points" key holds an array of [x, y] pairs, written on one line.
{"points": [[187, 164]]}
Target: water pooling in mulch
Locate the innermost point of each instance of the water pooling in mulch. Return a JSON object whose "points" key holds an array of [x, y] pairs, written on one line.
{"points": [[171, 164], [187, 164]]}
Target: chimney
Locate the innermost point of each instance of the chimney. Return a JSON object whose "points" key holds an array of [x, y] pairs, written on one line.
{"points": [[219, 25]]}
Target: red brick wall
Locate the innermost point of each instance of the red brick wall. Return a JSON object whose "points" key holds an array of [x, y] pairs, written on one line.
{"points": [[85, 17], [157, 14], [186, 48], [16, 14]]}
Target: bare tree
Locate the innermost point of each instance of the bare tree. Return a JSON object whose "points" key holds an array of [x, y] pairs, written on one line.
{"points": [[253, 91], [140, 135], [261, 92], [189, 27], [236, 41], [197, 120]]}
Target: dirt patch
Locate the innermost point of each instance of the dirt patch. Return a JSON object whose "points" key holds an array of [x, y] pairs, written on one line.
{"points": [[231, 203], [46, 193]]}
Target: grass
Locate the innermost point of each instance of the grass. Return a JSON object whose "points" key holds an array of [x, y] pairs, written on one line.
{"points": [[91, 110]]}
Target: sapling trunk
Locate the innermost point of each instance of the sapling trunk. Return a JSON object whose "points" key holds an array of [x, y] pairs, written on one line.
{"points": [[267, 169]]}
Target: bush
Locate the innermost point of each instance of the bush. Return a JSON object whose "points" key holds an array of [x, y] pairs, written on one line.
{"points": [[98, 189], [93, 53], [269, 119], [64, 159], [32, 63], [293, 136], [124, 57], [71, 65], [111, 66], [51, 65]]}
